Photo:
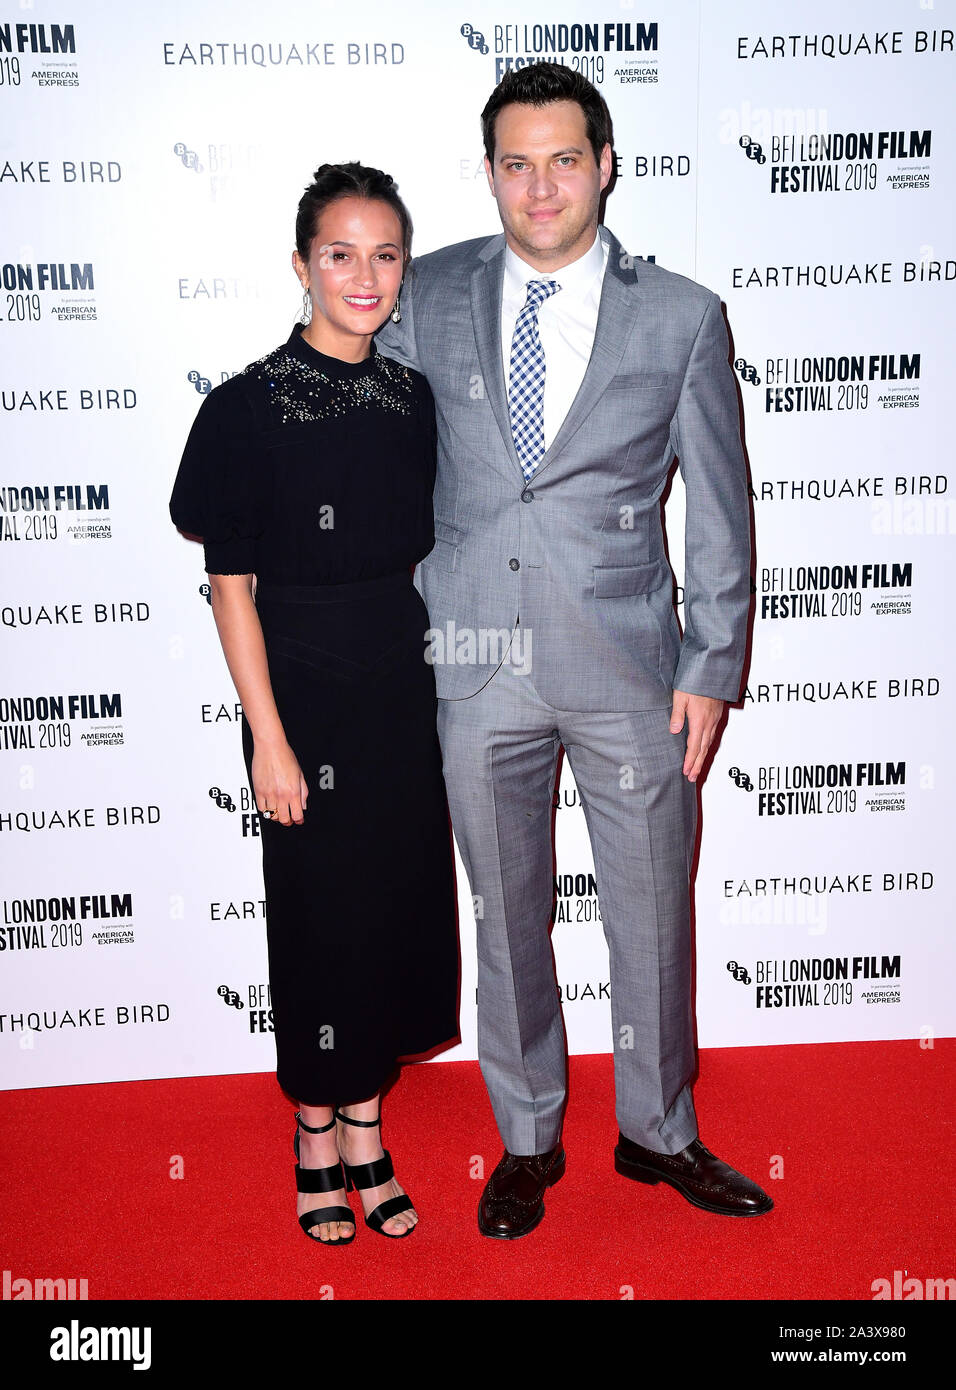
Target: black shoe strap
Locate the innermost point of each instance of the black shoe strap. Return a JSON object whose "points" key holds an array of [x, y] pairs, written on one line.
{"points": [[319, 1179], [322, 1129], [372, 1174], [359, 1124]]}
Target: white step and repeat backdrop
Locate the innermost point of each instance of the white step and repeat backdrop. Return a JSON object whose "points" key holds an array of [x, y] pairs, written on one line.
{"points": [[798, 158]]}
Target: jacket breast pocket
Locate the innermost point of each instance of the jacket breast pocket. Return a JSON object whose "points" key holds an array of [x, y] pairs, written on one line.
{"points": [[620, 581], [638, 382], [642, 401]]}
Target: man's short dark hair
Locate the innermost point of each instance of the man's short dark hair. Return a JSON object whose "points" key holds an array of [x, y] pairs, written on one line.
{"points": [[539, 85]]}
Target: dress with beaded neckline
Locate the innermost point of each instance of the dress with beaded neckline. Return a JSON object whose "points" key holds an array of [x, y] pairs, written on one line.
{"points": [[315, 475]]}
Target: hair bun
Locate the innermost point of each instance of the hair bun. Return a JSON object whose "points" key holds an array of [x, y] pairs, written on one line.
{"points": [[333, 181]]}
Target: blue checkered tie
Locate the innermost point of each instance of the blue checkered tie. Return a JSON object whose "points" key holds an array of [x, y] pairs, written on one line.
{"points": [[526, 385]]}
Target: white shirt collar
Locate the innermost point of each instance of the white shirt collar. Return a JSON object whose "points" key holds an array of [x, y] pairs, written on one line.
{"points": [[574, 278]]}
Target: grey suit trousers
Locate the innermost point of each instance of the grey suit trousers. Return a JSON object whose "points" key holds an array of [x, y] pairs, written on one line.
{"points": [[500, 750]]}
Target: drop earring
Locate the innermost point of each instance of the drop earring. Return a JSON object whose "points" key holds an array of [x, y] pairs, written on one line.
{"points": [[306, 307], [396, 314]]}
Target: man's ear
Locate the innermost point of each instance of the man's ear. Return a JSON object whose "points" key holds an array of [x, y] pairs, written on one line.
{"points": [[491, 177], [606, 164]]}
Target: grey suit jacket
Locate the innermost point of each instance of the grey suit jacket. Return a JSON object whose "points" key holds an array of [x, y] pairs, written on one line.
{"points": [[578, 554]]}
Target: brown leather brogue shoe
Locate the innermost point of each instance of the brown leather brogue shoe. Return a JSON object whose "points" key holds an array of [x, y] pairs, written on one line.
{"points": [[512, 1203], [696, 1174]]}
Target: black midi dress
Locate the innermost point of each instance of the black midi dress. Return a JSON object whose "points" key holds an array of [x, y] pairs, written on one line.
{"points": [[316, 476]]}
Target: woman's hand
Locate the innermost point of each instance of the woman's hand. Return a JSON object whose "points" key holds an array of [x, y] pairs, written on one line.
{"points": [[278, 783]]}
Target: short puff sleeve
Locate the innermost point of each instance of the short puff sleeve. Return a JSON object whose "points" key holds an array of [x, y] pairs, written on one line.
{"points": [[219, 493]]}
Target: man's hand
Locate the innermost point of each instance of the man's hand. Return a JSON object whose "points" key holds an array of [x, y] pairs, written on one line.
{"points": [[703, 715]]}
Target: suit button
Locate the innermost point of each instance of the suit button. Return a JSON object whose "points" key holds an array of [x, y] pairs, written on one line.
{"points": [[514, 564], [527, 496]]}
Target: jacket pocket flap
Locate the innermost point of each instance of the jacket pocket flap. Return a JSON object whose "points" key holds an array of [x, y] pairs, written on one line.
{"points": [[617, 581]]}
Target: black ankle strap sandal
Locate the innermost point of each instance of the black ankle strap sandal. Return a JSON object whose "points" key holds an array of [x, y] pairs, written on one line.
{"points": [[321, 1180], [364, 1175]]}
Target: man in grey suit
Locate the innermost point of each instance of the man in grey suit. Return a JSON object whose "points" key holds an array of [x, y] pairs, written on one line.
{"points": [[566, 380]]}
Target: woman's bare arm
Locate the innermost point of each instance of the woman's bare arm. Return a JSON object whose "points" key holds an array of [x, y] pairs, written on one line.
{"points": [[277, 779]]}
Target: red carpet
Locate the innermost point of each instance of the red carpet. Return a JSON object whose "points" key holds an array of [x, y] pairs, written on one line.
{"points": [[864, 1131]]}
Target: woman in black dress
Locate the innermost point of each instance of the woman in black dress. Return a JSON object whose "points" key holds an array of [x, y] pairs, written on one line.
{"points": [[309, 478]]}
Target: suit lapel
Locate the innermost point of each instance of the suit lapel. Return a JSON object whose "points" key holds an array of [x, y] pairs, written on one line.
{"points": [[615, 322], [486, 287]]}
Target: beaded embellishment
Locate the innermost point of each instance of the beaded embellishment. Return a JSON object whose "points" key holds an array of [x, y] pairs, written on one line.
{"points": [[300, 392]]}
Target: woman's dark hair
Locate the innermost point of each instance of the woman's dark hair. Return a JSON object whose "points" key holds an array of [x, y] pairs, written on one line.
{"points": [[334, 181], [539, 85]]}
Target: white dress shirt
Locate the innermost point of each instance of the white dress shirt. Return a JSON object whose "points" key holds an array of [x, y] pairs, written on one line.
{"points": [[566, 324]]}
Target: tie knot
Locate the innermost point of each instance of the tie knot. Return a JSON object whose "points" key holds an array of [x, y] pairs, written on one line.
{"points": [[540, 290]]}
